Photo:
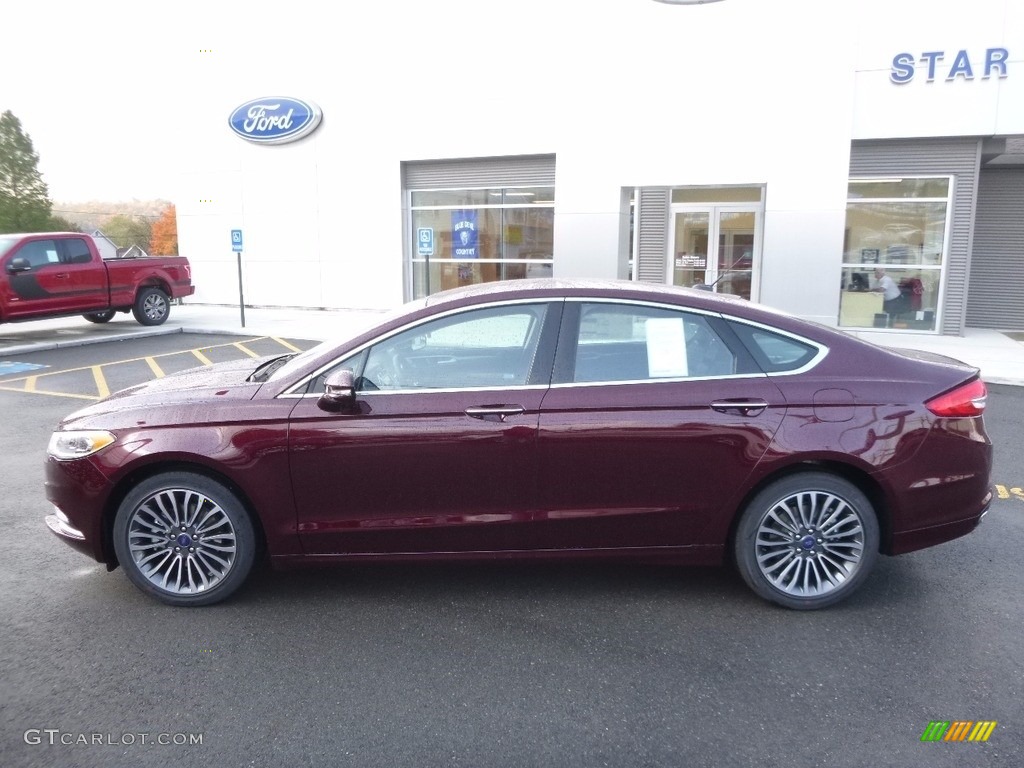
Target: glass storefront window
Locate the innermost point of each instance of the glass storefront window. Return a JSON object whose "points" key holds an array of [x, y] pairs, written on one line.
{"points": [[894, 253], [482, 235]]}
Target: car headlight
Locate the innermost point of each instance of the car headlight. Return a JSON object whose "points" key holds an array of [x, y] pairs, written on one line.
{"points": [[76, 444]]}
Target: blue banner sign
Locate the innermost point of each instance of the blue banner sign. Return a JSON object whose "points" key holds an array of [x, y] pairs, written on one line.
{"points": [[464, 235]]}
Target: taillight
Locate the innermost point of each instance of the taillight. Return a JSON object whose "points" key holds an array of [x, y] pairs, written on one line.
{"points": [[968, 400]]}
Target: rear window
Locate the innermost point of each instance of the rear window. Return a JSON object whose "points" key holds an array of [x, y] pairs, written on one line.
{"points": [[775, 352]]}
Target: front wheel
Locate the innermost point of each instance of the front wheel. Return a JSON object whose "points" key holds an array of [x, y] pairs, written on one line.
{"points": [[151, 306], [100, 317], [807, 541], [184, 539]]}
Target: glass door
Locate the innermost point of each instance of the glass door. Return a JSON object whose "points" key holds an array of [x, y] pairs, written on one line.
{"points": [[733, 263]]}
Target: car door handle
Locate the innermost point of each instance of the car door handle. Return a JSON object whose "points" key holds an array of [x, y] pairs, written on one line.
{"points": [[740, 405], [494, 412], [62, 276]]}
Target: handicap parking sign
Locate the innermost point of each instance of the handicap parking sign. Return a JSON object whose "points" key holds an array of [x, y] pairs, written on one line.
{"points": [[236, 240], [425, 241]]}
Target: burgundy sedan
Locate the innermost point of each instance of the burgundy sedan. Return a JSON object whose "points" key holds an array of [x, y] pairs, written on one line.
{"points": [[543, 419]]}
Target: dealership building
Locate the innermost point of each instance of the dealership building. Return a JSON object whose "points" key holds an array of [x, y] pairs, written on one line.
{"points": [[805, 155]]}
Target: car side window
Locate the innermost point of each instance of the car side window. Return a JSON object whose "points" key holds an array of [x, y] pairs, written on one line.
{"points": [[76, 251], [774, 352], [492, 347], [623, 342], [39, 253]]}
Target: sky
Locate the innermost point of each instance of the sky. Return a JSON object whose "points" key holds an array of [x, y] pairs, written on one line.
{"points": [[92, 106], [105, 99]]}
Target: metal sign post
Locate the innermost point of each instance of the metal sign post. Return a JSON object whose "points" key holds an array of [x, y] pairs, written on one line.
{"points": [[236, 246]]}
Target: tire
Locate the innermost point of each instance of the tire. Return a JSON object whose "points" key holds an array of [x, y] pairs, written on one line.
{"points": [[100, 317], [807, 541], [151, 307], [184, 539]]}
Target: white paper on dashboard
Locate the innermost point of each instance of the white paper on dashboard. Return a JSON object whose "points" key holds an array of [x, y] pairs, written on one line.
{"points": [[666, 347]]}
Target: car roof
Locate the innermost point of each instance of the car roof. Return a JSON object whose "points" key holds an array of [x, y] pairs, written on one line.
{"points": [[558, 286]]}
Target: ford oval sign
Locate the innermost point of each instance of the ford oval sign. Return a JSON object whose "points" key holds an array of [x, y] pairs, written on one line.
{"points": [[275, 120]]}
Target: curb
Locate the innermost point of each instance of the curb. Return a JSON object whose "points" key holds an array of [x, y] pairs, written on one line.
{"points": [[50, 345]]}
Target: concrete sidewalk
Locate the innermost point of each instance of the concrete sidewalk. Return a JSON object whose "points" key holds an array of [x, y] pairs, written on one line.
{"points": [[1000, 357]]}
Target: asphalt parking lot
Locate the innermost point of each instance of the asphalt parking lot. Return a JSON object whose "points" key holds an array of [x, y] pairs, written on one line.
{"points": [[91, 372], [488, 664]]}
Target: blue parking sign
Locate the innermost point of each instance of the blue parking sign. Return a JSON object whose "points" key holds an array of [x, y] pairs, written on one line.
{"points": [[236, 240], [425, 241]]}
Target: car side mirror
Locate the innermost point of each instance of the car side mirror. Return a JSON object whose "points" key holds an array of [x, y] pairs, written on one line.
{"points": [[18, 264], [339, 391]]}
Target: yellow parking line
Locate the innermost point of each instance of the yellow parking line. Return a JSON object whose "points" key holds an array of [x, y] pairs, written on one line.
{"points": [[156, 369], [245, 349], [284, 343], [52, 394], [30, 383], [101, 381], [201, 357]]}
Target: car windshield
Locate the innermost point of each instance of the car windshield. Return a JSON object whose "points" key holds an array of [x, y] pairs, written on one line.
{"points": [[6, 243]]}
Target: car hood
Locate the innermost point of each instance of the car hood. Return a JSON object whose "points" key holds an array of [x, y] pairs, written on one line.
{"points": [[170, 399]]}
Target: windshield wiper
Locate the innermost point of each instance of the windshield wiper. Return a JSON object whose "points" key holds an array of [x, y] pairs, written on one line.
{"points": [[266, 370]]}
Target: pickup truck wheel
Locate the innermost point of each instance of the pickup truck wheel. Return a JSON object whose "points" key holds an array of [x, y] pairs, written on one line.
{"points": [[100, 317], [151, 306]]}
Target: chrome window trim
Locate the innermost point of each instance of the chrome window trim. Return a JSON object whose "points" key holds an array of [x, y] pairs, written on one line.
{"points": [[822, 353], [290, 392], [425, 391], [674, 380]]}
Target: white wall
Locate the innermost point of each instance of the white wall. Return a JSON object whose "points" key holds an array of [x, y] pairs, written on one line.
{"points": [[625, 93], [960, 107]]}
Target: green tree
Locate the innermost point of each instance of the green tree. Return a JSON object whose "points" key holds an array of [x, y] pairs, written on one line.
{"points": [[24, 199], [127, 231], [60, 224]]}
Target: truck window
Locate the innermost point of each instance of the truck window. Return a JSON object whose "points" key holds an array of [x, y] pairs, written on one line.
{"points": [[39, 252], [76, 251]]}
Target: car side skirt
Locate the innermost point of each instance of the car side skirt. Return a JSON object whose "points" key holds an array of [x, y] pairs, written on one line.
{"points": [[690, 555]]}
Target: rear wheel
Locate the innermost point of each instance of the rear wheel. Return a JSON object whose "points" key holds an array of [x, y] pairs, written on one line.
{"points": [[807, 541], [184, 539], [151, 306], [100, 317]]}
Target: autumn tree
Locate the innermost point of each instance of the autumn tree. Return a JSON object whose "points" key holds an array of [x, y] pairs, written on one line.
{"points": [[164, 240], [24, 199], [127, 231]]}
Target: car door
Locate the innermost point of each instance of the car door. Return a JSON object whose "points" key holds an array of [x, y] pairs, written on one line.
{"points": [[36, 280], [652, 424], [87, 276], [438, 453]]}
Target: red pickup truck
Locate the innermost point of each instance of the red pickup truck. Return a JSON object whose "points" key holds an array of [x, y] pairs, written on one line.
{"points": [[48, 274]]}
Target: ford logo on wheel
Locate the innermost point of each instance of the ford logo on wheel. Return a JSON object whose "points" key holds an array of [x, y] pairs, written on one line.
{"points": [[275, 119]]}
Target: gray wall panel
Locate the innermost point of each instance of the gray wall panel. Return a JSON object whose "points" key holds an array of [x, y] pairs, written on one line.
{"points": [[996, 295]]}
